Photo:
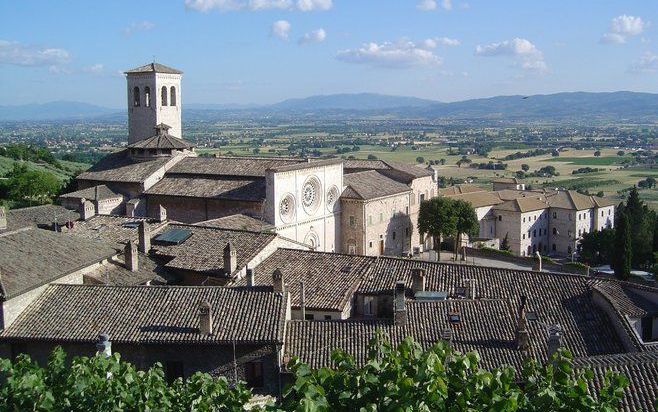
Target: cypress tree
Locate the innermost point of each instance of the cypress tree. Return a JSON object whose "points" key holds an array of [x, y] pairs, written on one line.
{"points": [[623, 248]]}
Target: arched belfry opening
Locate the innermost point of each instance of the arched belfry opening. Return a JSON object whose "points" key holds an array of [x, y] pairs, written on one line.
{"points": [[164, 95]]}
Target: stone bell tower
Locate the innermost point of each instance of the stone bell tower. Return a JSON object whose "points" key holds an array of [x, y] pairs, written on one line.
{"points": [[154, 97]]}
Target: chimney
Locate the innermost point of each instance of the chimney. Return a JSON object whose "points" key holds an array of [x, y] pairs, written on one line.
{"points": [[230, 258], [144, 237], [470, 289], [277, 281], [87, 209], [302, 299], [103, 345], [3, 218], [522, 335], [399, 305], [554, 340], [131, 257], [537, 263], [163, 213], [417, 280], [250, 278], [205, 318]]}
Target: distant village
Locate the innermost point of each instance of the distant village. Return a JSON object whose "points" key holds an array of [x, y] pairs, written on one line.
{"points": [[234, 265]]}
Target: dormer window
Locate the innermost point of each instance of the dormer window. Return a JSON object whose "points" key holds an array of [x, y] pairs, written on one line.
{"points": [[454, 317]]}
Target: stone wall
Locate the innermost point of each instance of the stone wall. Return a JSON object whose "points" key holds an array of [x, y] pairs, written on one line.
{"points": [[194, 210]]}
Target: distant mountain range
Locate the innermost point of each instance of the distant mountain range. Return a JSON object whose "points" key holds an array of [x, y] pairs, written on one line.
{"points": [[573, 106]]}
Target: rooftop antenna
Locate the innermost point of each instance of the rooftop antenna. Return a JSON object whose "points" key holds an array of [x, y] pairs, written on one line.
{"points": [[154, 58]]}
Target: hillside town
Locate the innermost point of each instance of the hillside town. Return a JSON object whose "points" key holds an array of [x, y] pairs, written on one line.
{"points": [[235, 265]]}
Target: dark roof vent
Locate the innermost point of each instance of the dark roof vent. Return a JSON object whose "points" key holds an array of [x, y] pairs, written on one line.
{"points": [[454, 317]]}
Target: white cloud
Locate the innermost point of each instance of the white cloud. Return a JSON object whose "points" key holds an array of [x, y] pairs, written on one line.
{"points": [[94, 68], [622, 27], [426, 5], [429, 5], [315, 36], [207, 5], [648, 63], [143, 25], [269, 4], [402, 54], [310, 5], [280, 29], [528, 55], [434, 42], [257, 5], [12, 52]]}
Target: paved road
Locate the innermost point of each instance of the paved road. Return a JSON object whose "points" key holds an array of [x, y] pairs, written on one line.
{"points": [[478, 261]]}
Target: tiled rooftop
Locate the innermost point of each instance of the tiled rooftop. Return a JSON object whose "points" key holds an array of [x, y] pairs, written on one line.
{"points": [[150, 315], [203, 251], [329, 279], [210, 188], [31, 258]]}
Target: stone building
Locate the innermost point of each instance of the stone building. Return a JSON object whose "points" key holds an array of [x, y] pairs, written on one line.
{"points": [[551, 222], [300, 198]]}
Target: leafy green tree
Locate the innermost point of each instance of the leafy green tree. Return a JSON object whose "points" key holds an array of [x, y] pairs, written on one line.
{"points": [[420, 159], [597, 153], [466, 222], [102, 383], [620, 153], [31, 186], [436, 218], [597, 247], [623, 250], [408, 378], [525, 167], [372, 157]]}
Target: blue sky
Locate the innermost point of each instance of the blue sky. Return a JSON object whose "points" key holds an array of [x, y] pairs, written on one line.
{"points": [[263, 51]]}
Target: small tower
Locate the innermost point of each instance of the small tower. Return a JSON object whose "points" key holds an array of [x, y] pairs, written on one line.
{"points": [[154, 97]]}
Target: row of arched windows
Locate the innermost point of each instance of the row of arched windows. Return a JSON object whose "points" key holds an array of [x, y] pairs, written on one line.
{"points": [[164, 93]]}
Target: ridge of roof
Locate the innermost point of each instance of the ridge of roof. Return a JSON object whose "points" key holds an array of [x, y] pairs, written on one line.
{"points": [[153, 68]]}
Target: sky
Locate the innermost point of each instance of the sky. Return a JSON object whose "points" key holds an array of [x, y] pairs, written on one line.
{"points": [[265, 51]]}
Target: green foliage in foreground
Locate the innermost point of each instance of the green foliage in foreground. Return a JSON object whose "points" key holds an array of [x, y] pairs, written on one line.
{"points": [[402, 378], [109, 384], [407, 378]]}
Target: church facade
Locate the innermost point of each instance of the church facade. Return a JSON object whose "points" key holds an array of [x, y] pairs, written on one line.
{"points": [[301, 198]]}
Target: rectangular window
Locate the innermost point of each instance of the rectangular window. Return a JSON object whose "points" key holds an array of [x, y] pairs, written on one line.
{"points": [[368, 305], [370, 244], [327, 317], [393, 235], [524, 235], [308, 316], [421, 198], [254, 374], [174, 370], [407, 209], [352, 221], [534, 233], [524, 220], [554, 215]]}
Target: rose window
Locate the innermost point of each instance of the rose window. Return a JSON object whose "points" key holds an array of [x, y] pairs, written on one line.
{"points": [[332, 196], [287, 208], [311, 194]]}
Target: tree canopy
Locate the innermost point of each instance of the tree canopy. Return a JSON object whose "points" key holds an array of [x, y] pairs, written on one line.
{"points": [[445, 217]]}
